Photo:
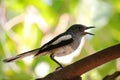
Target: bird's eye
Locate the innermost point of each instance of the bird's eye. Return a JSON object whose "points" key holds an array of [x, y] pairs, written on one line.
{"points": [[79, 28]]}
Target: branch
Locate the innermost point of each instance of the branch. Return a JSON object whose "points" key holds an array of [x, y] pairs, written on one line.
{"points": [[114, 76], [85, 64]]}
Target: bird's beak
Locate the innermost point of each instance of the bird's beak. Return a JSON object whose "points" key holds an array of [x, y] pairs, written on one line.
{"points": [[88, 33], [89, 28]]}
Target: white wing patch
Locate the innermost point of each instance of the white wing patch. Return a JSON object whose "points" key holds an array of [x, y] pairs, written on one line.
{"points": [[63, 38]]}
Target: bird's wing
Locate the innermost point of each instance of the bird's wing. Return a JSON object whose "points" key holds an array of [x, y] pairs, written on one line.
{"points": [[59, 41]]}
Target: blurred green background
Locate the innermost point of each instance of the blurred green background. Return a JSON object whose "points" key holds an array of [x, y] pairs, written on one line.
{"points": [[28, 24]]}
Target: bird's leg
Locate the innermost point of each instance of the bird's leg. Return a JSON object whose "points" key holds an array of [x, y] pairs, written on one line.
{"points": [[52, 57]]}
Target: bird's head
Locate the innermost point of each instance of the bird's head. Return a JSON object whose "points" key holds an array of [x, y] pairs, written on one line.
{"points": [[80, 29]]}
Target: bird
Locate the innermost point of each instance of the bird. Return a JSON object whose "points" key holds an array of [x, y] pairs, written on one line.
{"points": [[63, 44]]}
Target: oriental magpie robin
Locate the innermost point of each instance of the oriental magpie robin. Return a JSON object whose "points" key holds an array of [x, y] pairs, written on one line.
{"points": [[61, 45]]}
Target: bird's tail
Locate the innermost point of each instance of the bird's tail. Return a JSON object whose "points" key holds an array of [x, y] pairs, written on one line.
{"points": [[22, 55]]}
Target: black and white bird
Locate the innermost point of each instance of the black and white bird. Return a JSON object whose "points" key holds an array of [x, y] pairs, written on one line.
{"points": [[61, 45]]}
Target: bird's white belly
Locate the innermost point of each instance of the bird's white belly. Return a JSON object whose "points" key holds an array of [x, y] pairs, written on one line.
{"points": [[62, 51]]}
